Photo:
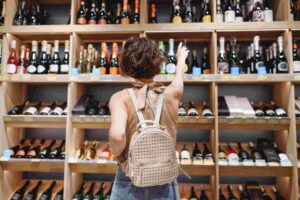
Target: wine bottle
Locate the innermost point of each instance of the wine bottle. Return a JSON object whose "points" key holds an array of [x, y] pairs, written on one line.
{"points": [[114, 63], [62, 154], [102, 15], [3, 12], [203, 195], [277, 195], [230, 192], [48, 193], [44, 153], [206, 110], [219, 15], [229, 12], [34, 151], [18, 19], [55, 153], [222, 62], [100, 193], [153, 18], [183, 194], [103, 62], [59, 195], [296, 57], [258, 61], [192, 111], [269, 110], [125, 17], [193, 194], [80, 193], [17, 110], [80, 62], [43, 66], [297, 112], [90, 193], [104, 110], [185, 154], [265, 194], [64, 67], [91, 154], [282, 65], [268, 12], [195, 68], [280, 112], [92, 15], [33, 20], [243, 195], [282, 155], [118, 15], [243, 155], [82, 15], [33, 62], [48, 54], [12, 63], [32, 194], [188, 14], [19, 194], [197, 155], [231, 154], [258, 109], [222, 154], [89, 61], [176, 16], [16, 148], [106, 153], [233, 59], [205, 62], [194, 11], [221, 195], [136, 15], [181, 110], [54, 67], [32, 108], [47, 108], [206, 15], [206, 153], [59, 108], [108, 194], [258, 14], [274, 51], [255, 154], [238, 12], [171, 65]]}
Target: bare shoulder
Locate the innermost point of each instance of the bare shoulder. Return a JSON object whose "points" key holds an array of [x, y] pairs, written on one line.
{"points": [[118, 98]]}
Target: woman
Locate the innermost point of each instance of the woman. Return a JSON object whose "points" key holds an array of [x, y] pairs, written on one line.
{"points": [[141, 60]]}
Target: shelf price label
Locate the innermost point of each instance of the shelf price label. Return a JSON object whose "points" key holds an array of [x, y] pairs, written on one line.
{"points": [[26, 77], [262, 73], [3, 77], [74, 74], [28, 119], [7, 118], [235, 71], [225, 77], [15, 77], [51, 77]]}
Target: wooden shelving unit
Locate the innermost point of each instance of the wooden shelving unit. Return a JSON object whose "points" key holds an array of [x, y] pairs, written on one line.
{"points": [[14, 89]]}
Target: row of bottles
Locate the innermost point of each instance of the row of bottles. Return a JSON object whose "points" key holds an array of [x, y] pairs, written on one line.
{"points": [[92, 150], [196, 157], [41, 149], [30, 14], [295, 10], [87, 105], [90, 192], [193, 110], [30, 62], [184, 195], [108, 13], [40, 108], [233, 59]]}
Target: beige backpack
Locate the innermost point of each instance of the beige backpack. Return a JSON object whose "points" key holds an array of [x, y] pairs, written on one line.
{"points": [[152, 155]]}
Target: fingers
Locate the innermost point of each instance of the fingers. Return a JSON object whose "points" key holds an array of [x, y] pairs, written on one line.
{"points": [[179, 46]]}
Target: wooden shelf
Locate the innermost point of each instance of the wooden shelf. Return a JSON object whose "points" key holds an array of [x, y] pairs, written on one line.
{"points": [[259, 123], [49, 78], [37, 165], [256, 171], [35, 121]]}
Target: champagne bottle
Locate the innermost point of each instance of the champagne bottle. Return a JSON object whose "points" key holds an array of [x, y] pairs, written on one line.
{"points": [[282, 65], [296, 57], [64, 67], [103, 62], [205, 62], [54, 67], [229, 12], [118, 15], [33, 62], [33, 18], [153, 18], [48, 193], [125, 18], [82, 15], [231, 154], [243, 195], [79, 194], [222, 62], [44, 153], [90, 193], [91, 154], [183, 194], [188, 15], [55, 153], [34, 151], [59, 195], [277, 195], [238, 12], [231, 195], [258, 61], [43, 67], [19, 194], [18, 19], [22, 67], [136, 15], [176, 16], [114, 63], [32, 195], [181, 110], [171, 65], [100, 193], [233, 58], [243, 155], [206, 15], [192, 111], [102, 15], [193, 194]]}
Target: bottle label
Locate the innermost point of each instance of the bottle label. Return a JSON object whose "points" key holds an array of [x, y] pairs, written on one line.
{"points": [[268, 15], [219, 18], [181, 111], [296, 66], [230, 16], [270, 112], [193, 199], [196, 71], [65, 110], [102, 70], [53, 68], [258, 16], [44, 197], [206, 111], [113, 70], [58, 110], [31, 69], [11, 68], [16, 196], [283, 66], [171, 68], [192, 111], [206, 19], [46, 110], [125, 21], [239, 19], [258, 65], [222, 66], [259, 112], [185, 154], [31, 110], [177, 20], [81, 20], [64, 68], [280, 111], [283, 156], [222, 155], [104, 154], [233, 157], [197, 156], [92, 21], [40, 69]]}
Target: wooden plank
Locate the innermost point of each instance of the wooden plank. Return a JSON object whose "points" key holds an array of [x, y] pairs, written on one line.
{"points": [[255, 171]]}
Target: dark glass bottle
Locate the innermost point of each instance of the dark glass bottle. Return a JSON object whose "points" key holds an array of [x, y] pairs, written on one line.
{"points": [[104, 110], [255, 154], [265, 194], [176, 16], [92, 16], [205, 62], [188, 15], [206, 153], [108, 194], [136, 15], [100, 193], [34, 151], [90, 193], [197, 155], [277, 195], [55, 153], [79, 194], [102, 15], [282, 65], [243, 155], [59, 195], [32, 195], [230, 192], [118, 15], [21, 153], [92, 109], [233, 60], [280, 112], [33, 62], [206, 14], [44, 153], [19, 194], [54, 67], [195, 65], [17, 110], [59, 108], [258, 61], [153, 18], [221, 195], [48, 193], [203, 195], [33, 20], [229, 12], [64, 67], [125, 17], [192, 110], [296, 57], [269, 110], [43, 66], [82, 15], [238, 12], [243, 195], [16, 148], [18, 19]]}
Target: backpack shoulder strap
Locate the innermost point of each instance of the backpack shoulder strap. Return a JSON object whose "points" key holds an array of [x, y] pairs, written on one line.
{"points": [[134, 102], [159, 108]]}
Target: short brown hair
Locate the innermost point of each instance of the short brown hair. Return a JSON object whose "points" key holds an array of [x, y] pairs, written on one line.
{"points": [[141, 58]]}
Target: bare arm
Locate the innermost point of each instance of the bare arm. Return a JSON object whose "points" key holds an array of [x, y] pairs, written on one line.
{"points": [[117, 132]]}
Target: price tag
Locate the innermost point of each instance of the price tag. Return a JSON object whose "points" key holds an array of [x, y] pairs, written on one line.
{"points": [[51, 77], [35, 160], [235, 71], [74, 72], [262, 71], [196, 71], [285, 163], [223, 162], [198, 162], [101, 161], [96, 72], [225, 77], [248, 162], [197, 78], [26, 77], [260, 162], [15, 77]]}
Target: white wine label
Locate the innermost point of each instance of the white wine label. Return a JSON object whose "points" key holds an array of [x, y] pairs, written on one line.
{"points": [[258, 16], [206, 111], [31, 110], [58, 110], [192, 111], [258, 65], [270, 112], [193, 199], [64, 68], [259, 112], [185, 155], [280, 111], [239, 19], [46, 110], [283, 156], [268, 15], [283, 66], [230, 16], [11, 68], [233, 157], [219, 17], [171, 68], [53, 68], [31, 69], [222, 67], [41, 69], [296, 66], [181, 111]]}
